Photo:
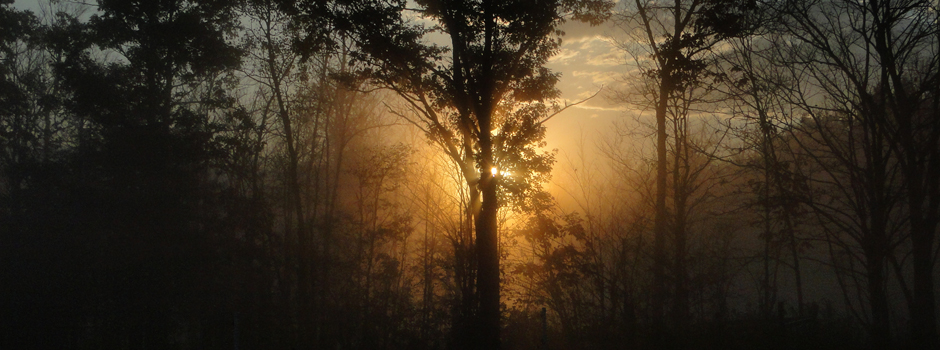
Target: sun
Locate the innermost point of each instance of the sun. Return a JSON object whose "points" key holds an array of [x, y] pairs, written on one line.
{"points": [[497, 172]]}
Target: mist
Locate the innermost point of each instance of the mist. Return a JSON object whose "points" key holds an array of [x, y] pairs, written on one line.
{"points": [[531, 174]]}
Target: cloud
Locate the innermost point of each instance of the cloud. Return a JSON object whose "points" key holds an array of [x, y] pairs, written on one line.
{"points": [[576, 31], [585, 94], [606, 59], [593, 100], [598, 77], [564, 55], [594, 50], [586, 40], [585, 46], [602, 108]]}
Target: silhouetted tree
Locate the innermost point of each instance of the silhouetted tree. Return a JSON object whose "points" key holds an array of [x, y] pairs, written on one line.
{"points": [[869, 61], [496, 54], [678, 36], [21, 82], [146, 198], [753, 86]]}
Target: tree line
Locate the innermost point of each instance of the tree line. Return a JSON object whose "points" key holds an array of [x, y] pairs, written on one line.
{"points": [[371, 174]]}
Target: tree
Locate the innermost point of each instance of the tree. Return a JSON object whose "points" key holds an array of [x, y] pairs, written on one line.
{"points": [[142, 191], [678, 35], [874, 67], [21, 83], [275, 68], [459, 94], [379, 228], [760, 116]]}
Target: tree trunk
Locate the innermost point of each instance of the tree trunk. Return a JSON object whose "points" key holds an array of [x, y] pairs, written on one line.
{"points": [[487, 246], [488, 269], [923, 228], [681, 192], [660, 224], [766, 302], [875, 244], [880, 328], [795, 255], [923, 315], [487, 250]]}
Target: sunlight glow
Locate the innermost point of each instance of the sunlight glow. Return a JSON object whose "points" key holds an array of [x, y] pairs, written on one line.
{"points": [[496, 172]]}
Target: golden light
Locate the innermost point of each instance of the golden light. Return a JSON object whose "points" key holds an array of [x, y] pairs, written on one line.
{"points": [[496, 172]]}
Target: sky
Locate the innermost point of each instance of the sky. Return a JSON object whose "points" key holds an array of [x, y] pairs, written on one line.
{"points": [[589, 64]]}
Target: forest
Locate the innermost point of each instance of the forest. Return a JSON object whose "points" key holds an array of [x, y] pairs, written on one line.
{"points": [[378, 174]]}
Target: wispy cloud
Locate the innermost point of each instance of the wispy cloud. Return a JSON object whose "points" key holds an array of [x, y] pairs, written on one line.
{"points": [[564, 55], [606, 59], [602, 108], [586, 40], [596, 77]]}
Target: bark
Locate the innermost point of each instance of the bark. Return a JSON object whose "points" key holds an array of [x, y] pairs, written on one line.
{"points": [[681, 192], [296, 203], [488, 266], [794, 254], [880, 329], [921, 196], [660, 224], [487, 246], [922, 309], [916, 159], [876, 242]]}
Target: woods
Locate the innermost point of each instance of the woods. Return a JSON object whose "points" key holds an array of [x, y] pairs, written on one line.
{"points": [[378, 174]]}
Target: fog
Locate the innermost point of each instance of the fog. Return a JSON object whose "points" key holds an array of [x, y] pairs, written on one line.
{"points": [[523, 174]]}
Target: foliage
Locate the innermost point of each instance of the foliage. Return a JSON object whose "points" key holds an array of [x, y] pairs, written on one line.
{"points": [[212, 174]]}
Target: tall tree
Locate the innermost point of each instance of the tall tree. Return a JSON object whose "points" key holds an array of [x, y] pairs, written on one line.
{"points": [[144, 155], [275, 67], [20, 82], [752, 87], [875, 64], [487, 82], [678, 35]]}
